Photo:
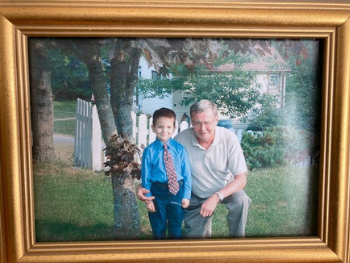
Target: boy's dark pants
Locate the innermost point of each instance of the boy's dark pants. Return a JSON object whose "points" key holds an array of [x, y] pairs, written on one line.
{"points": [[169, 212]]}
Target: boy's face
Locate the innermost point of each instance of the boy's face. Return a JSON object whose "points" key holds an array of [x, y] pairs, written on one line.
{"points": [[164, 128]]}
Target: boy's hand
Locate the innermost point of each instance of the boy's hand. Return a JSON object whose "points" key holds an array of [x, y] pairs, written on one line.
{"points": [[150, 207], [185, 203], [140, 192]]}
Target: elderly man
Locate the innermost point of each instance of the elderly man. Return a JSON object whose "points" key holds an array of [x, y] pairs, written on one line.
{"points": [[218, 172]]}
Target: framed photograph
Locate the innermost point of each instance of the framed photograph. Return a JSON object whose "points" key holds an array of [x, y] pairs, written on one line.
{"points": [[324, 22]]}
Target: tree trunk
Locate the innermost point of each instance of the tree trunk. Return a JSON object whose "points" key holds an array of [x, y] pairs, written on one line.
{"points": [[127, 224], [104, 109], [124, 76], [41, 105]]}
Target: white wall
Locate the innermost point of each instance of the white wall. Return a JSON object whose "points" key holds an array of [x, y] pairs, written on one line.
{"points": [[148, 106], [177, 108]]}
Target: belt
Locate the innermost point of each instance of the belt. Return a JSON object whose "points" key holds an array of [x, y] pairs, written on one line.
{"points": [[165, 185]]}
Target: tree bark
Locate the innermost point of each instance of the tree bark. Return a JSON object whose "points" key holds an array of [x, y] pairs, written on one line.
{"points": [[41, 105], [123, 79], [104, 109], [127, 224], [124, 76]]}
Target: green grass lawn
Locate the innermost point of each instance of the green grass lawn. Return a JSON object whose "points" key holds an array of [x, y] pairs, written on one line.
{"points": [[284, 202], [64, 116], [73, 204], [64, 109]]}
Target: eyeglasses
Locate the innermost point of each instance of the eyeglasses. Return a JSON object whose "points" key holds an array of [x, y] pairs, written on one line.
{"points": [[200, 124]]}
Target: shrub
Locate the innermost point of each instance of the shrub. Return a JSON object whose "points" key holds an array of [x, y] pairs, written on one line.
{"points": [[276, 146]]}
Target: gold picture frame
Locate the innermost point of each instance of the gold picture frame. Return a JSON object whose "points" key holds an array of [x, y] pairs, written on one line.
{"points": [[162, 18]]}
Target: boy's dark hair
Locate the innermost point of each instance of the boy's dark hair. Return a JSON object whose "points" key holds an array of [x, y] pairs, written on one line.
{"points": [[164, 112]]}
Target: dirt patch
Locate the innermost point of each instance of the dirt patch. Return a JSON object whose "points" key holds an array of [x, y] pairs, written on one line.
{"points": [[64, 153]]}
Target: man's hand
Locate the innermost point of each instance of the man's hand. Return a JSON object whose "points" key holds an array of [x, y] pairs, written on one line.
{"points": [[208, 207], [140, 192]]}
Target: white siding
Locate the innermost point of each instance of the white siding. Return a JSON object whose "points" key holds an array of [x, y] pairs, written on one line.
{"points": [[148, 106], [177, 108], [263, 81], [146, 72]]}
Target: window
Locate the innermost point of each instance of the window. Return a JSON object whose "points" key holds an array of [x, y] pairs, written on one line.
{"points": [[273, 84]]}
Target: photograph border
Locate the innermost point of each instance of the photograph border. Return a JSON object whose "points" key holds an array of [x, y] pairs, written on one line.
{"points": [[20, 20]]}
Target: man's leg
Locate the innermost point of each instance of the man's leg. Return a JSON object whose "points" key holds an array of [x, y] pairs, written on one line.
{"points": [[196, 226], [238, 205]]}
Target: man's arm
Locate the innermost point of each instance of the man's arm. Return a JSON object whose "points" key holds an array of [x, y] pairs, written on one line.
{"points": [[186, 174], [237, 184], [210, 204]]}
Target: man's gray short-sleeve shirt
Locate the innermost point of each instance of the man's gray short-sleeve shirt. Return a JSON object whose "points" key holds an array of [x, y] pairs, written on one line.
{"points": [[213, 168]]}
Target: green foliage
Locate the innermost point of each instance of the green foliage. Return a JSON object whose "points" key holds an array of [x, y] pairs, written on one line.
{"points": [[266, 114], [302, 101], [300, 113], [235, 92], [69, 76], [303, 85], [264, 150], [160, 88], [276, 146]]}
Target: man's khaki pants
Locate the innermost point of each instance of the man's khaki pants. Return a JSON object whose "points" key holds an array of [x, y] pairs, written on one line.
{"points": [[197, 226]]}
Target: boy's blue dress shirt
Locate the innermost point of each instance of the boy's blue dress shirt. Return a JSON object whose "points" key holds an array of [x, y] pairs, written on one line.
{"points": [[153, 167]]}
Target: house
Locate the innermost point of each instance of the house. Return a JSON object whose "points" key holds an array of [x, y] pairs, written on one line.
{"points": [[149, 105], [272, 71]]}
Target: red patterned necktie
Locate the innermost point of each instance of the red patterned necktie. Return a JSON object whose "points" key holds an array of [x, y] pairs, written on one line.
{"points": [[170, 170]]}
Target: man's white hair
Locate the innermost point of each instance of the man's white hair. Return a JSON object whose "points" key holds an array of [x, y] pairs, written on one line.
{"points": [[203, 105]]}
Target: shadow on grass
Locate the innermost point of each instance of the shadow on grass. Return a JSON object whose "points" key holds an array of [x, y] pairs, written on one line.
{"points": [[48, 231], [60, 232]]}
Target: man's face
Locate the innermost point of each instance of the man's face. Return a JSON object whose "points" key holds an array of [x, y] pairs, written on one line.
{"points": [[204, 124]]}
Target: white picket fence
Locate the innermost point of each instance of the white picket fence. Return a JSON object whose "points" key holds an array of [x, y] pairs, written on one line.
{"points": [[87, 140], [88, 144]]}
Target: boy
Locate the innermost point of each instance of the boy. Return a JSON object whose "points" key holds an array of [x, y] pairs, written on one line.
{"points": [[171, 196]]}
